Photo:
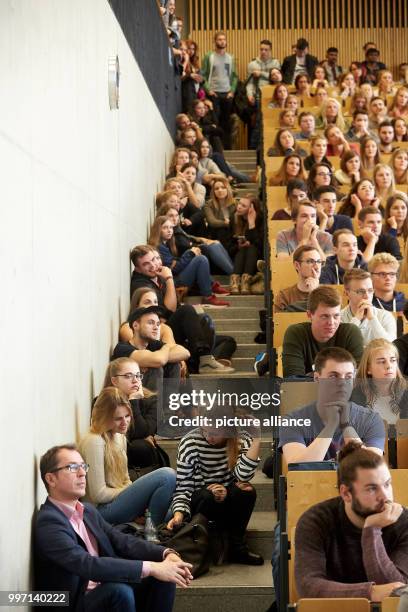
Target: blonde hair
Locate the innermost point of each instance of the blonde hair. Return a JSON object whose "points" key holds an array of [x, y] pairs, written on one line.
{"points": [[382, 258], [230, 196], [115, 461], [340, 121], [365, 382], [391, 188]]}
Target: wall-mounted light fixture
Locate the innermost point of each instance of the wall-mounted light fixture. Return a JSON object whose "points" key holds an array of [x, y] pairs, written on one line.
{"points": [[113, 82]]}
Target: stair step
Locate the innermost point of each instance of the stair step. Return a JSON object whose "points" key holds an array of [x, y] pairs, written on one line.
{"points": [[237, 374], [253, 301], [228, 588], [249, 350], [243, 364], [230, 312], [264, 486], [251, 325], [241, 337], [238, 154], [260, 533]]}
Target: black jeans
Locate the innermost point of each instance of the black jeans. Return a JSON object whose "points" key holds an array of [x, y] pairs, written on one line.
{"points": [[224, 347], [245, 260], [232, 514], [223, 110]]}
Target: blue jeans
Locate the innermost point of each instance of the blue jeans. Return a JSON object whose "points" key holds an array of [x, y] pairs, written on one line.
{"points": [[150, 595], [275, 560], [218, 255], [153, 491], [197, 271]]}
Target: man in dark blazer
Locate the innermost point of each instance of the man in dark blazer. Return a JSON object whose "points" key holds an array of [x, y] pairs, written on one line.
{"points": [[300, 62], [77, 551]]}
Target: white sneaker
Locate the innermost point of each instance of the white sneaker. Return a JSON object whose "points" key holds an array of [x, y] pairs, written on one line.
{"points": [[212, 365]]}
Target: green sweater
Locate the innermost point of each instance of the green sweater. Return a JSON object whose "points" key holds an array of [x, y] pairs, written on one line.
{"points": [[207, 67], [300, 348]]}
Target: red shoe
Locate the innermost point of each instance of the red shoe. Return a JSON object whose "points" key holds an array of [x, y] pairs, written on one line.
{"points": [[218, 289], [214, 301]]}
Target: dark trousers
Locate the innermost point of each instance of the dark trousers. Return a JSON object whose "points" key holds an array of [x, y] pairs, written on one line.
{"points": [[245, 260], [232, 514], [224, 347], [150, 595], [188, 331], [223, 110]]}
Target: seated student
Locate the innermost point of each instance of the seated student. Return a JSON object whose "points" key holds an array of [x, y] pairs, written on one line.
{"points": [[279, 96], [399, 166], [337, 145], [191, 269], [147, 350], [75, 550], [400, 131], [296, 191], [359, 127], [318, 150], [377, 112], [248, 233], [291, 168], [386, 136], [372, 322], [213, 470], [212, 249], [320, 175], [222, 346], [383, 268], [371, 239], [304, 231], [308, 265], [349, 171], [346, 257], [335, 418], [380, 384], [354, 545], [307, 126], [285, 144], [383, 179], [302, 341], [219, 211], [109, 487], [362, 194], [184, 321], [326, 202], [370, 155], [402, 345], [142, 453]]}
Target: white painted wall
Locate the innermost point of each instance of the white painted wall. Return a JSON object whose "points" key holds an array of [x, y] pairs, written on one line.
{"points": [[76, 190]]}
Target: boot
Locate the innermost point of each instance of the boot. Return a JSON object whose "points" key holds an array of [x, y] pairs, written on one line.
{"points": [[235, 281], [246, 284]]}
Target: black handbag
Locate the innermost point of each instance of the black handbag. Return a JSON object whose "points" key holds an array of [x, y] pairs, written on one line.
{"points": [[241, 104], [192, 542]]}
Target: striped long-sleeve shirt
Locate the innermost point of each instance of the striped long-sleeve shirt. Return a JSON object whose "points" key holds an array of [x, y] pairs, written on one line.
{"points": [[200, 464]]}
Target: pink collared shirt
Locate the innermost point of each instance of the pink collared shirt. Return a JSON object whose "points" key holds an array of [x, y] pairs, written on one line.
{"points": [[76, 518]]}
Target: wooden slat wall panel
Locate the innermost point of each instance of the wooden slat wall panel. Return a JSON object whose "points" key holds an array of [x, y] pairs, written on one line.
{"points": [[346, 24], [393, 44]]}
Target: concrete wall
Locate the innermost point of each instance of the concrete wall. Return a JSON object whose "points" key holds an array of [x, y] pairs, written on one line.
{"points": [[77, 182]]}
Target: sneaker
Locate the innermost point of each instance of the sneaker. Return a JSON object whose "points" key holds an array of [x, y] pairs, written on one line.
{"points": [[214, 301], [212, 365], [261, 364], [218, 289]]}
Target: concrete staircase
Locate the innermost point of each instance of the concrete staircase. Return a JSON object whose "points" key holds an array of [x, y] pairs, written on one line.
{"points": [[233, 588]]}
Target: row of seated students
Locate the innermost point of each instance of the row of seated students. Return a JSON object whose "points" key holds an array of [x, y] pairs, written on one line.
{"points": [[353, 545]]}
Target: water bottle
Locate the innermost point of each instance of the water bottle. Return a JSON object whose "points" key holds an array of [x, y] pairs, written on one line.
{"points": [[150, 531]]}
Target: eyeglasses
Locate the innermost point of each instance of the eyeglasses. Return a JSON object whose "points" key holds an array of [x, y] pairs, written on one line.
{"points": [[362, 292], [323, 173], [384, 274], [311, 262], [73, 467], [130, 376]]}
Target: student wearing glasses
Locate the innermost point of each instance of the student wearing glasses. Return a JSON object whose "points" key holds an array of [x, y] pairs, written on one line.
{"points": [[142, 450], [75, 550], [373, 322], [104, 448], [308, 265], [384, 271]]}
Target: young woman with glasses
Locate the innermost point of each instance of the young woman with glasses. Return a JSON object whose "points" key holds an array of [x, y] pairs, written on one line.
{"points": [[109, 487]]}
